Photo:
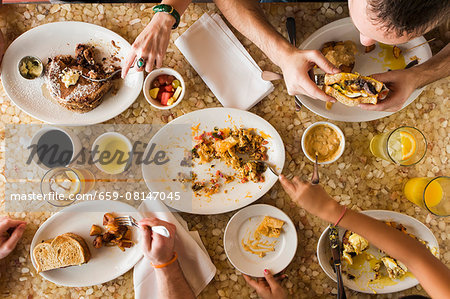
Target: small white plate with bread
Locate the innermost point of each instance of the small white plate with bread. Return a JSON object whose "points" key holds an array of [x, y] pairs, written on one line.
{"points": [[65, 245]]}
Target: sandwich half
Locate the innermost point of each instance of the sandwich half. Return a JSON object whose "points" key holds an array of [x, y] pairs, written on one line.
{"points": [[354, 89], [65, 250]]}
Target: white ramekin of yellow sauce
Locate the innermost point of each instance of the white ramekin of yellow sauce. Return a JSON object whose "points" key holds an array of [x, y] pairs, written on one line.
{"points": [[324, 138]]}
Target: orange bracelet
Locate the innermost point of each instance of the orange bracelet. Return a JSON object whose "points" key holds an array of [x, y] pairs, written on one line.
{"points": [[175, 257], [342, 216]]}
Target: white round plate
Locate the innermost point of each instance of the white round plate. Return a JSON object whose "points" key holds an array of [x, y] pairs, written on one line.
{"points": [[412, 225], [176, 138], [106, 263], [247, 220], [61, 38], [366, 64]]}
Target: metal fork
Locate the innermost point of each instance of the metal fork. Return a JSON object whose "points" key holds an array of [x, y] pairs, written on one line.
{"points": [[130, 221], [101, 80], [271, 168]]}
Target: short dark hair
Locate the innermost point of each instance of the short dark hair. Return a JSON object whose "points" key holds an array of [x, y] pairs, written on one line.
{"points": [[408, 16]]}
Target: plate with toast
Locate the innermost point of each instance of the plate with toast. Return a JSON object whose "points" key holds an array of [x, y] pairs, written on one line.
{"points": [[71, 57], [66, 251], [339, 42]]}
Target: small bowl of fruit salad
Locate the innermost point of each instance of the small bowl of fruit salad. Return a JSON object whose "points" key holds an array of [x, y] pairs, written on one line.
{"points": [[164, 88]]}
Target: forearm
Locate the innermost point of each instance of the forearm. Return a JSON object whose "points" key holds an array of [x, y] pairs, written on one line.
{"points": [[172, 284], [248, 18], [433, 69], [431, 273], [178, 5]]}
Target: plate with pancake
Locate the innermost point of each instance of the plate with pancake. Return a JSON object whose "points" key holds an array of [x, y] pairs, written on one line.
{"points": [[72, 227], [61, 95], [344, 34]]}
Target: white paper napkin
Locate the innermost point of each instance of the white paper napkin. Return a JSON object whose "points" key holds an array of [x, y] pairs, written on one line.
{"points": [[192, 255], [223, 63]]}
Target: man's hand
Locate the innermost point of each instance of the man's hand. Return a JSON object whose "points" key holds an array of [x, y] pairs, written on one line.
{"points": [[151, 44], [10, 233], [267, 287], [312, 198], [157, 249], [401, 84], [296, 66]]}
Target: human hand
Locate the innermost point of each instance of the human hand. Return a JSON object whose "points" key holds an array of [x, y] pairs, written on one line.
{"points": [[267, 287], [296, 66], [158, 249], [151, 44], [10, 233], [401, 84], [312, 198]]}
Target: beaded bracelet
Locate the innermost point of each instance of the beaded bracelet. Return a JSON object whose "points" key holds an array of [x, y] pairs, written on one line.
{"points": [[175, 257], [170, 10], [342, 216]]}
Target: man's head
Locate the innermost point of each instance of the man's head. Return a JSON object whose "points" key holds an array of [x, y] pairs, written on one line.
{"points": [[396, 21]]}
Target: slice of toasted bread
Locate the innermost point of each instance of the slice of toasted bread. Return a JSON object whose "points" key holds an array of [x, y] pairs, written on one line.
{"points": [[65, 250]]}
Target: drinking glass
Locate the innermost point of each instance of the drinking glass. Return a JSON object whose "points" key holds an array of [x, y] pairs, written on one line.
{"points": [[405, 146], [61, 186], [430, 193]]}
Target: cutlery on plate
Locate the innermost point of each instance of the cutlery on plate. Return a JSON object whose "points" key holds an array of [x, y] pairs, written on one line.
{"points": [[271, 168], [292, 33], [336, 253], [130, 221], [319, 79], [101, 80]]}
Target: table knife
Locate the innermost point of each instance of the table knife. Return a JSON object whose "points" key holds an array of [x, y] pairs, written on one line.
{"points": [[336, 253], [291, 29]]}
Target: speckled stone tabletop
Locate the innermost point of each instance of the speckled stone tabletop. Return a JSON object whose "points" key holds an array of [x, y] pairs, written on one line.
{"points": [[357, 179]]}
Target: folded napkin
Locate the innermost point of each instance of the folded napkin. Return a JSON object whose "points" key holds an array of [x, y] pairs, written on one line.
{"points": [[192, 255], [223, 63]]}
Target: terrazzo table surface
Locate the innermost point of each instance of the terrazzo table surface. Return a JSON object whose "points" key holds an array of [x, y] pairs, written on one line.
{"points": [[357, 179]]}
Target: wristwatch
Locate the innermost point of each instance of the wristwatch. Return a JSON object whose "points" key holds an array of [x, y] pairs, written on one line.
{"points": [[170, 10]]}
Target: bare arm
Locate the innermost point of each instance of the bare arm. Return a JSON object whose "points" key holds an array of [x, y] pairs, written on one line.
{"points": [[151, 44], [172, 283], [159, 250], [432, 274], [247, 17], [433, 69]]}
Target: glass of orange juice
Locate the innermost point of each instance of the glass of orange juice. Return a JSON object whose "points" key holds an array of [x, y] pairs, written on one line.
{"points": [[405, 146], [430, 193]]}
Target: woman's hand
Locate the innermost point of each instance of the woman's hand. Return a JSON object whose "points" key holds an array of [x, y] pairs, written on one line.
{"points": [[157, 249], [296, 66], [401, 84], [267, 287], [312, 198], [151, 44], [10, 233]]}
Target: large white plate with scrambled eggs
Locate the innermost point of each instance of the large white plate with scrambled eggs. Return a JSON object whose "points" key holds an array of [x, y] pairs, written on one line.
{"points": [[377, 61], [241, 228], [61, 38], [362, 267], [176, 140]]}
